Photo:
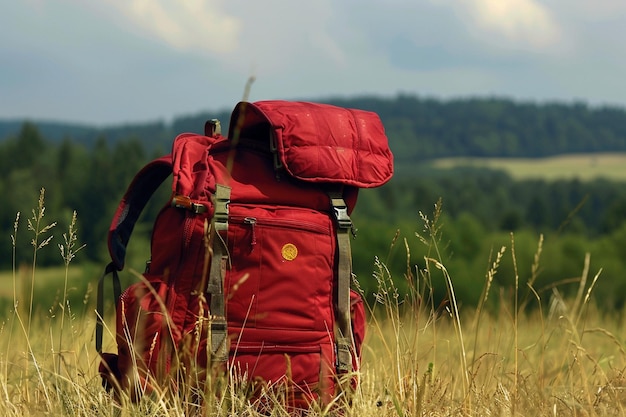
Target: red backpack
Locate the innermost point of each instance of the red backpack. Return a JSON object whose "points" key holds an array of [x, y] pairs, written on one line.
{"points": [[250, 265]]}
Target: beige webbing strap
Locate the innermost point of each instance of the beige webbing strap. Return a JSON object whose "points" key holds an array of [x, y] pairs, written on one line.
{"points": [[217, 273], [345, 341]]}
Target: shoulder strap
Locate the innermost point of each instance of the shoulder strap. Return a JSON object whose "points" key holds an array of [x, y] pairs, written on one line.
{"points": [[132, 204], [137, 195], [187, 164]]}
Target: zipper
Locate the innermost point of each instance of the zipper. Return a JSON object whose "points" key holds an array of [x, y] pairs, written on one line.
{"points": [[271, 348], [187, 232], [252, 222]]}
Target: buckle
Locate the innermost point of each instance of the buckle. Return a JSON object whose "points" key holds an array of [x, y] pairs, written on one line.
{"points": [[340, 210], [222, 200]]}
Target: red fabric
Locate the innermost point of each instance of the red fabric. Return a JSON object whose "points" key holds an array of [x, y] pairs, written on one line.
{"points": [[280, 283], [190, 167], [319, 142], [281, 278]]}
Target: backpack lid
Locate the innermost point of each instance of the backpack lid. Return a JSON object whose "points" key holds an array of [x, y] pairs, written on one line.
{"points": [[318, 142]]}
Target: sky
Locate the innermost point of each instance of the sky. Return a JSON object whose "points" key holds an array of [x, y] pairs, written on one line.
{"points": [[123, 61]]}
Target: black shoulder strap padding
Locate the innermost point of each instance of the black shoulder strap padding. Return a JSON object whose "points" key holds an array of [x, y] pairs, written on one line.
{"points": [[137, 195]]}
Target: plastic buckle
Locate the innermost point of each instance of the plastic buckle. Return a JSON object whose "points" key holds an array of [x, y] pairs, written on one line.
{"points": [[222, 200], [343, 220], [340, 210]]}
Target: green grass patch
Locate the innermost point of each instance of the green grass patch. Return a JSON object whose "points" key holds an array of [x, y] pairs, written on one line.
{"points": [[585, 167], [49, 286]]}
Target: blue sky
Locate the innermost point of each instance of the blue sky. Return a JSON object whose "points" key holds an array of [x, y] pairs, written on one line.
{"points": [[114, 61]]}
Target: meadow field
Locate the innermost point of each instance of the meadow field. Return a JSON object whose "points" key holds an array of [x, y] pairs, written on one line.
{"points": [[585, 167], [512, 355], [418, 359]]}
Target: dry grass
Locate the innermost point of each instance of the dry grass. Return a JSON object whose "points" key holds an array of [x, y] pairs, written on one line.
{"points": [[545, 366], [529, 357]]}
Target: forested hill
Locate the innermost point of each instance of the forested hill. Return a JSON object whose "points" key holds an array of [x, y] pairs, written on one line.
{"points": [[418, 128], [86, 169]]}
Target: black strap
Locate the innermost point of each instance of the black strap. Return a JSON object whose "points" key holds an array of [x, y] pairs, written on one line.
{"points": [[117, 291], [132, 204]]}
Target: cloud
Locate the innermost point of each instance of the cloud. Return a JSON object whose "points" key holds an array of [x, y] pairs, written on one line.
{"points": [[595, 10], [268, 37], [509, 23], [197, 25], [119, 60], [278, 37]]}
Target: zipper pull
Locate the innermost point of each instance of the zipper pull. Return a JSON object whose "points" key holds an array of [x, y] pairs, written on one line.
{"points": [[252, 222]]}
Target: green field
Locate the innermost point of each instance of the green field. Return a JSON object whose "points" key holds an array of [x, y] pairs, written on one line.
{"points": [[581, 166]]}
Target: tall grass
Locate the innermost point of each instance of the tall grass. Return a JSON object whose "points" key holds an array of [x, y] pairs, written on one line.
{"points": [[518, 359], [533, 354]]}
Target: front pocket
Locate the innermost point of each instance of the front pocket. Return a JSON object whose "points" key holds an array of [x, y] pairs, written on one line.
{"points": [[303, 370], [281, 273]]}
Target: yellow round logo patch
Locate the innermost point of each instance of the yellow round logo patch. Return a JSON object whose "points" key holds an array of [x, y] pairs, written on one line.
{"points": [[289, 251]]}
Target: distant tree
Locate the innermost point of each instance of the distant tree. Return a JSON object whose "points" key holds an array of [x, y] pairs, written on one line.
{"points": [[30, 146]]}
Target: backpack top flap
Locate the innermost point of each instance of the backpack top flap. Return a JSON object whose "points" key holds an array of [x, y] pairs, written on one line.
{"points": [[319, 142]]}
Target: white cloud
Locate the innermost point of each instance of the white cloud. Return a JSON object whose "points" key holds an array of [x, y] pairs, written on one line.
{"points": [[197, 25], [509, 23], [253, 38]]}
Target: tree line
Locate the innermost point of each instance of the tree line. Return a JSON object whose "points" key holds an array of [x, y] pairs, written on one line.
{"points": [[482, 209], [494, 127], [419, 128]]}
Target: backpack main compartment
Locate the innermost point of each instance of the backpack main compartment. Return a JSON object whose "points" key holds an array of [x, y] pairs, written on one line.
{"points": [[252, 235]]}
